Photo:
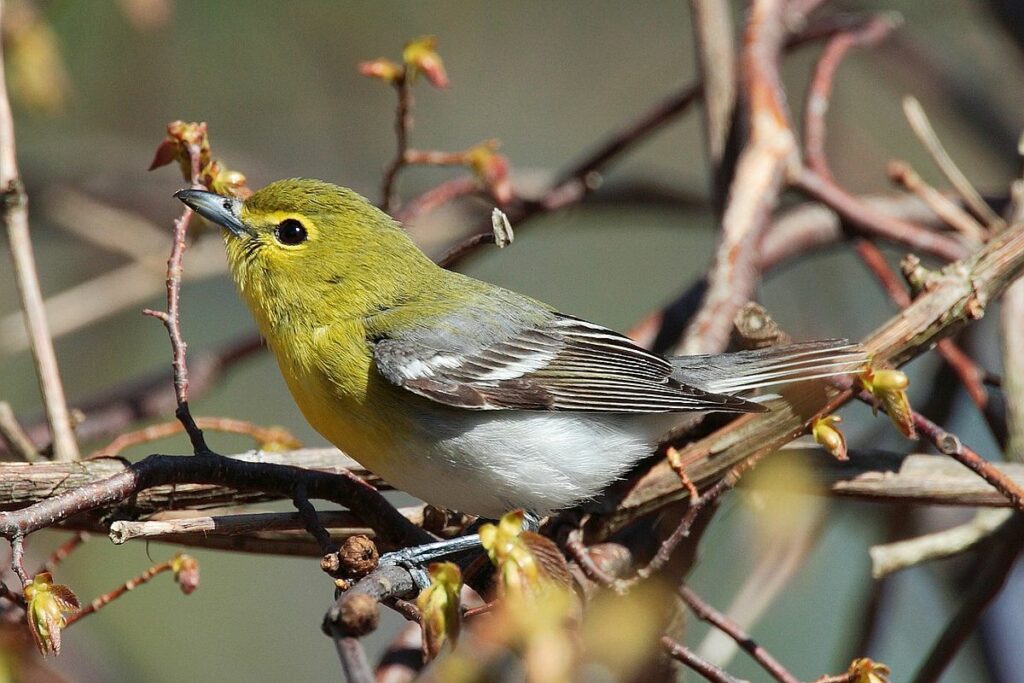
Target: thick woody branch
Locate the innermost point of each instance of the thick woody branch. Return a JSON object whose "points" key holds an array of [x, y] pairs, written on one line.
{"points": [[956, 295], [760, 174], [156, 470]]}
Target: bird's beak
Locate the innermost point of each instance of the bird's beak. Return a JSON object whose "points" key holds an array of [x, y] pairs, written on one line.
{"points": [[213, 207]]}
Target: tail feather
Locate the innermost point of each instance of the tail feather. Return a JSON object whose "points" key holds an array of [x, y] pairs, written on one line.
{"points": [[735, 373]]}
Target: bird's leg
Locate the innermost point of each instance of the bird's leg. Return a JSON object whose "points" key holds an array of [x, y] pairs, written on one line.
{"points": [[531, 522], [417, 557]]}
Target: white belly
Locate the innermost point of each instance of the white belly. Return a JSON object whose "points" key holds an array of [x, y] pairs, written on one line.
{"points": [[489, 462]]}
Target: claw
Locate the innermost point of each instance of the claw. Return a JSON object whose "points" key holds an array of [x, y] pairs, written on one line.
{"points": [[417, 557]]}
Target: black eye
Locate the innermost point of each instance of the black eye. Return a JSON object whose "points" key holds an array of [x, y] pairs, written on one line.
{"points": [[290, 232]]}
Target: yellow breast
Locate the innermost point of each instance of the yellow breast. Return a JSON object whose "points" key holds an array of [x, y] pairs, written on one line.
{"points": [[331, 377]]}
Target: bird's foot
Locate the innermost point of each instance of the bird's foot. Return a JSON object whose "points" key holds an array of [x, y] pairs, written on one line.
{"points": [[417, 557]]}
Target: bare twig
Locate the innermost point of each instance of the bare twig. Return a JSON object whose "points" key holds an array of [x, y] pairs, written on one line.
{"points": [[18, 558], [712, 25], [968, 372], [709, 614], [280, 437], [683, 654], [820, 91], [957, 294], [353, 660], [868, 221], [926, 134], [892, 557], [761, 170], [107, 598], [62, 551], [311, 520], [991, 570], [951, 445], [340, 523], [117, 408], [14, 436], [171, 318], [403, 124], [14, 214], [950, 212], [436, 197]]}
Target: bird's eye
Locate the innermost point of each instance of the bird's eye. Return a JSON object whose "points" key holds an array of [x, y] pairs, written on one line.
{"points": [[290, 232]]}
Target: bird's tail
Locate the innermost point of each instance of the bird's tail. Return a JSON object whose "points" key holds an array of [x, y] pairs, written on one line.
{"points": [[735, 373]]}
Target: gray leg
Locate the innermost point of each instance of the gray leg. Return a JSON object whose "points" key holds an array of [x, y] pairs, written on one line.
{"points": [[416, 557]]}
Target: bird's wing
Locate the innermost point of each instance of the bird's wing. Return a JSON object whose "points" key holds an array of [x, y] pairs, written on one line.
{"points": [[560, 363]]}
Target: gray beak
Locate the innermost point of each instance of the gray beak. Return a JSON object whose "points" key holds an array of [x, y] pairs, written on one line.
{"points": [[213, 207]]}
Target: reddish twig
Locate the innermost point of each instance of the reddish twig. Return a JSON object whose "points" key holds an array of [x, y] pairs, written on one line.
{"points": [[436, 197], [866, 220], [707, 613], [682, 530], [820, 90], [107, 598], [949, 444], [62, 551], [403, 124], [14, 215], [171, 318], [958, 219], [577, 552], [761, 171], [262, 435], [353, 660], [683, 654]]}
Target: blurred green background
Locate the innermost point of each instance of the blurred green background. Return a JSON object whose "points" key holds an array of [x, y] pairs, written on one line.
{"points": [[277, 83]]}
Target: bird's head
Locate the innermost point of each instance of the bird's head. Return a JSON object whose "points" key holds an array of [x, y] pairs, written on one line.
{"points": [[306, 246]]}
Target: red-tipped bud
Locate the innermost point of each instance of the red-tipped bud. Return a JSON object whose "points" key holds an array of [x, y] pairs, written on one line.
{"points": [[420, 57], [383, 69], [186, 572], [492, 170]]}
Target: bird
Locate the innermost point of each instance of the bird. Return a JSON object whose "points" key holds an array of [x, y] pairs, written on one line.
{"points": [[462, 393]]}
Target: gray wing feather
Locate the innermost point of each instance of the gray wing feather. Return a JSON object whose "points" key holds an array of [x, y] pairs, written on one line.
{"points": [[560, 363]]}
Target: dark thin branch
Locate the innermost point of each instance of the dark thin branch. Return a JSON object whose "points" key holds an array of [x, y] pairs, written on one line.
{"points": [[683, 654], [991, 569], [312, 522], [171, 318], [707, 613], [156, 470], [949, 444], [403, 124]]}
